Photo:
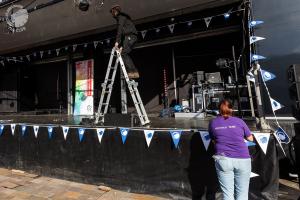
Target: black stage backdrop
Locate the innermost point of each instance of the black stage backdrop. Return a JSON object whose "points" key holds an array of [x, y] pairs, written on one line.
{"points": [[183, 173]]}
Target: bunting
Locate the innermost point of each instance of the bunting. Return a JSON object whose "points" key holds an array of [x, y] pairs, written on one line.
{"points": [[267, 76], [50, 131], [36, 130], [275, 105], [100, 133], [207, 21], [81, 133], [148, 135], [57, 51], [262, 140], [171, 27], [144, 33], [23, 127], [13, 127], [176, 134], [1, 129], [254, 39], [255, 23], [255, 57], [96, 44], [65, 131], [124, 133], [41, 54], [282, 135], [205, 138]]}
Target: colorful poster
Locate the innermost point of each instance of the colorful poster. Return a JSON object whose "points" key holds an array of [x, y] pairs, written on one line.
{"points": [[84, 86]]}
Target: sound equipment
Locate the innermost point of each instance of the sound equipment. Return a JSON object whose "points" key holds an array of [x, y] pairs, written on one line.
{"points": [[8, 101], [118, 119], [213, 77]]}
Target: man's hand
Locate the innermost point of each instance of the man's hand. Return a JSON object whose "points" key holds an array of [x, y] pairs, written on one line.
{"points": [[116, 45]]}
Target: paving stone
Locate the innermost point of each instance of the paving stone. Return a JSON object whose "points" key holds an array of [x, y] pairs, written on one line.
{"points": [[7, 184], [72, 195]]}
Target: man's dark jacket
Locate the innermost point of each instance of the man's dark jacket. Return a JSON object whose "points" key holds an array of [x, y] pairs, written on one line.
{"points": [[125, 26]]}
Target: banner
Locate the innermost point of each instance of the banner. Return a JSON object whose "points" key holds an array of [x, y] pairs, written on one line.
{"points": [[124, 133], [13, 127], [1, 129], [100, 133], [267, 76], [176, 137], [205, 138], [81, 133], [148, 135], [282, 135], [50, 131], [275, 105], [23, 127], [254, 39], [262, 140], [36, 130], [84, 94], [65, 131]]}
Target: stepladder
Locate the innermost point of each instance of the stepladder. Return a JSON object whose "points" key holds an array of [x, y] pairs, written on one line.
{"points": [[115, 61]]}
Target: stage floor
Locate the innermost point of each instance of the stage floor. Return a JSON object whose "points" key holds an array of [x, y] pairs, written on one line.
{"points": [[156, 122]]}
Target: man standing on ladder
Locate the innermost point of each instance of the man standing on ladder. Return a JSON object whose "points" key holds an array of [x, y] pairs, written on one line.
{"points": [[125, 39]]}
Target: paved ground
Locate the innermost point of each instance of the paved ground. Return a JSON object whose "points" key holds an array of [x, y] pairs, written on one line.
{"points": [[19, 185]]}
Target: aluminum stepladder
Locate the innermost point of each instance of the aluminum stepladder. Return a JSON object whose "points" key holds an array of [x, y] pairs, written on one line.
{"points": [[107, 87]]}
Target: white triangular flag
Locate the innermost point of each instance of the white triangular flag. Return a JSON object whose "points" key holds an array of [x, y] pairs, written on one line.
{"points": [[275, 105], [28, 57], [267, 76], [34, 54], [65, 131], [85, 45], [144, 33], [148, 135], [205, 138], [252, 175], [262, 140], [2, 63], [49, 52], [171, 27], [74, 47], [100, 133], [207, 21], [41, 54], [21, 57], [96, 44], [13, 127], [57, 52], [36, 130], [254, 39], [66, 48]]}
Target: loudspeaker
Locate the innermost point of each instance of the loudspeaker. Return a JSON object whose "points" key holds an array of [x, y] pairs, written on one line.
{"points": [[294, 73], [117, 119], [8, 101]]}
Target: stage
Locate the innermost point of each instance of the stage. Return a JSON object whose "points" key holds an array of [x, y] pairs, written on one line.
{"points": [[181, 170]]}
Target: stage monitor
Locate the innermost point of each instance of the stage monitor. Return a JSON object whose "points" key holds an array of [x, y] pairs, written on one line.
{"points": [[213, 77]]}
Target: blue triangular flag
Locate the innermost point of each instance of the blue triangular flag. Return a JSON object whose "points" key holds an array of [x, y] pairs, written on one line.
{"points": [[254, 39], [176, 136], [13, 127], [36, 130], [255, 57], [124, 133], [65, 131], [1, 129], [275, 105], [255, 23], [50, 131], [282, 136], [81, 133], [205, 138], [23, 129], [100, 133], [267, 76]]}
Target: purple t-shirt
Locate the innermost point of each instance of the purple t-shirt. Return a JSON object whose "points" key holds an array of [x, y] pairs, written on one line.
{"points": [[229, 135]]}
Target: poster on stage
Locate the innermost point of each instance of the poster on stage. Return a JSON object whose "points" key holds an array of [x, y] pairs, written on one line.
{"points": [[84, 86]]}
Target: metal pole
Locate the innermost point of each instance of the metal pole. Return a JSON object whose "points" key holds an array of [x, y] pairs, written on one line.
{"points": [[123, 94], [174, 75], [260, 113], [70, 86], [236, 80]]}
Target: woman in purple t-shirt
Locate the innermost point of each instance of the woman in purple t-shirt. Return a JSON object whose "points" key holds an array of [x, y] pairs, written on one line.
{"points": [[232, 159]]}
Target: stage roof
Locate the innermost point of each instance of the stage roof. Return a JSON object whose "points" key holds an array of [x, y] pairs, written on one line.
{"points": [[63, 21]]}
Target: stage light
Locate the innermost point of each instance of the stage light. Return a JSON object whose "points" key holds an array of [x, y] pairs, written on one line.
{"points": [[83, 5], [226, 15]]}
